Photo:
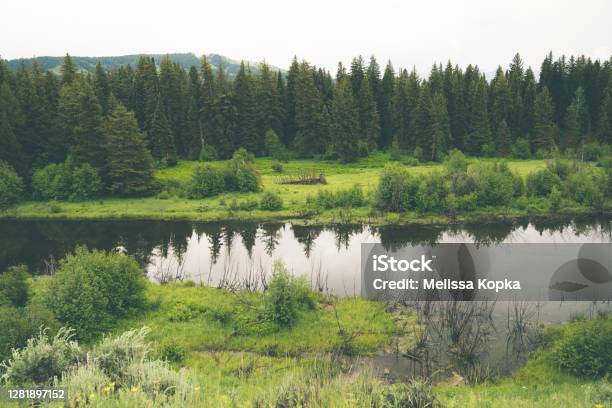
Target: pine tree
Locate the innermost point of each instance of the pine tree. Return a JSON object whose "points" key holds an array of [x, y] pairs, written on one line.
{"points": [[404, 104], [161, 137], [570, 130], [129, 166], [357, 74], [604, 124], [102, 87], [243, 99], [529, 94], [80, 116], [500, 99], [195, 126], [423, 121], [384, 98], [345, 122], [145, 92], [440, 128], [68, 70], [516, 83], [503, 139], [311, 114], [269, 107], [172, 89], [290, 102], [369, 125], [10, 149], [478, 139], [373, 75], [542, 135]]}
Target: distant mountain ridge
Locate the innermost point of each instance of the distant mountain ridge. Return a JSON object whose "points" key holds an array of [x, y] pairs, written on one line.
{"points": [[186, 60]]}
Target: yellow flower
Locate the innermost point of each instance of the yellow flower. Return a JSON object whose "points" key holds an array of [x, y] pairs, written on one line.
{"points": [[197, 388], [599, 406], [134, 389], [92, 396]]}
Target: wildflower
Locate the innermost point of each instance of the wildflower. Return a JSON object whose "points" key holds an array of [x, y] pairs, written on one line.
{"points": [[134, 389]]}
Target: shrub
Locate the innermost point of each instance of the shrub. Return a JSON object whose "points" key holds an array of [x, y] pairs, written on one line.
{"points": [[156, 378], [19, 324], [494, 185], [94, 288], [114, 354], [277, 167], [11, 186], [412, 395], [521, 149], [397, 189], [584, 350], [592, 151], [456, 162], [395, 153], [555, 199], [541, 182], [432, 192], [208, 153], [66, 181], [270, 201], [285, 296], [348, 198], [172, 352], [418, 154], [14, 286], [246, 205], [205, 181], [42, 359], [240, 175], [606, 164], [584, 187]]}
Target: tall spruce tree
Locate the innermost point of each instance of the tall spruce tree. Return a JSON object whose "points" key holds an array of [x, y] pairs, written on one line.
{"points": [[172, 89], [102, 87], [345, 122], [246, 119], [269, 106], [423, 121], [129, 166], [440, 127], [369, 124], [542, 134], [145, 92], [503, 139], [290, 102], [384, 98], [68, 70], [478, 139], [80, 116], [161, 137], [311, 114]]}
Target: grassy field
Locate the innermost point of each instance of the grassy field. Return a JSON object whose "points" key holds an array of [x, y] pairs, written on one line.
{"points": [[232, 363], [170, 205]]}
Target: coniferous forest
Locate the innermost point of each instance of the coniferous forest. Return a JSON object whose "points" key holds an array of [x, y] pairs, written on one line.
{"points": [[125, 121]]}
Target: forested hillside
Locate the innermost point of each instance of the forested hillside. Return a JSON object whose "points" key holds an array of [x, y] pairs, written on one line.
{"points": [[122, 122]]}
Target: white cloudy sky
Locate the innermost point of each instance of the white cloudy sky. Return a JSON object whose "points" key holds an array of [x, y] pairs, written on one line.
{"points": [[410, 33]]}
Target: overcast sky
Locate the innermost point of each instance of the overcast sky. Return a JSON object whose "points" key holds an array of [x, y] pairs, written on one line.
{"points": [[410, 33]]}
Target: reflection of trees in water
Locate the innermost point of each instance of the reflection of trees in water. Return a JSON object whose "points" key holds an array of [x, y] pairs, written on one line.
{"points": [[489, 234], [270, 236], [307, 235], [344, 232], [248, 234], [394, 237]]}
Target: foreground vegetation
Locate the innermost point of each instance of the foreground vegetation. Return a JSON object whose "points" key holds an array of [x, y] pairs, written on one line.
{"points": [[183, 345]]}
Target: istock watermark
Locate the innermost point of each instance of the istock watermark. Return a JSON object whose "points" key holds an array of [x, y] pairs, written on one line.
{"points": [[463, 271]]}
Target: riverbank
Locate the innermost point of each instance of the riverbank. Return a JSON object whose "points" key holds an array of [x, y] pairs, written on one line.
{"points": [[298, 200], [320, 361]]}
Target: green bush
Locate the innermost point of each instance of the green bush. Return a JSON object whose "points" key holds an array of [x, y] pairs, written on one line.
{"points": [[14, 286], [541, 182], [277, 167], [20, 323], [606, 164], [274, 147], [64, 181], [585, 187], [593, 151], [11, 186], [93, 289], [556, 199], [494, 185], [584, 349], [346, 198], [521, 149], [411, 395], [397, 189], [456, 162], [432, 192], [240, 175], [286, 296], [205, 181], [395, 154], [42, 359], [271, 201], [114, 354], [172, 353], [208, 153], [246, 205]]}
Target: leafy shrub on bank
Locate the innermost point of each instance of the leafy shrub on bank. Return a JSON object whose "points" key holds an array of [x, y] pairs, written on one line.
{"points": [[346, 198], [584, 349], [42, 359], [414, 394], [433, 192], [397, 189], [495, 185], [271, 201], [93, 288], [541, 182], [11, 186], [14, 286], [205, 181], [286, 296], [240, 175], [65, 181], [585, 187], [521, 149]]}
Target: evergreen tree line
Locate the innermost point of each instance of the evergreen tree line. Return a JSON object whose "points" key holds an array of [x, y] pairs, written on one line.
{"points": [[125, 120]]}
